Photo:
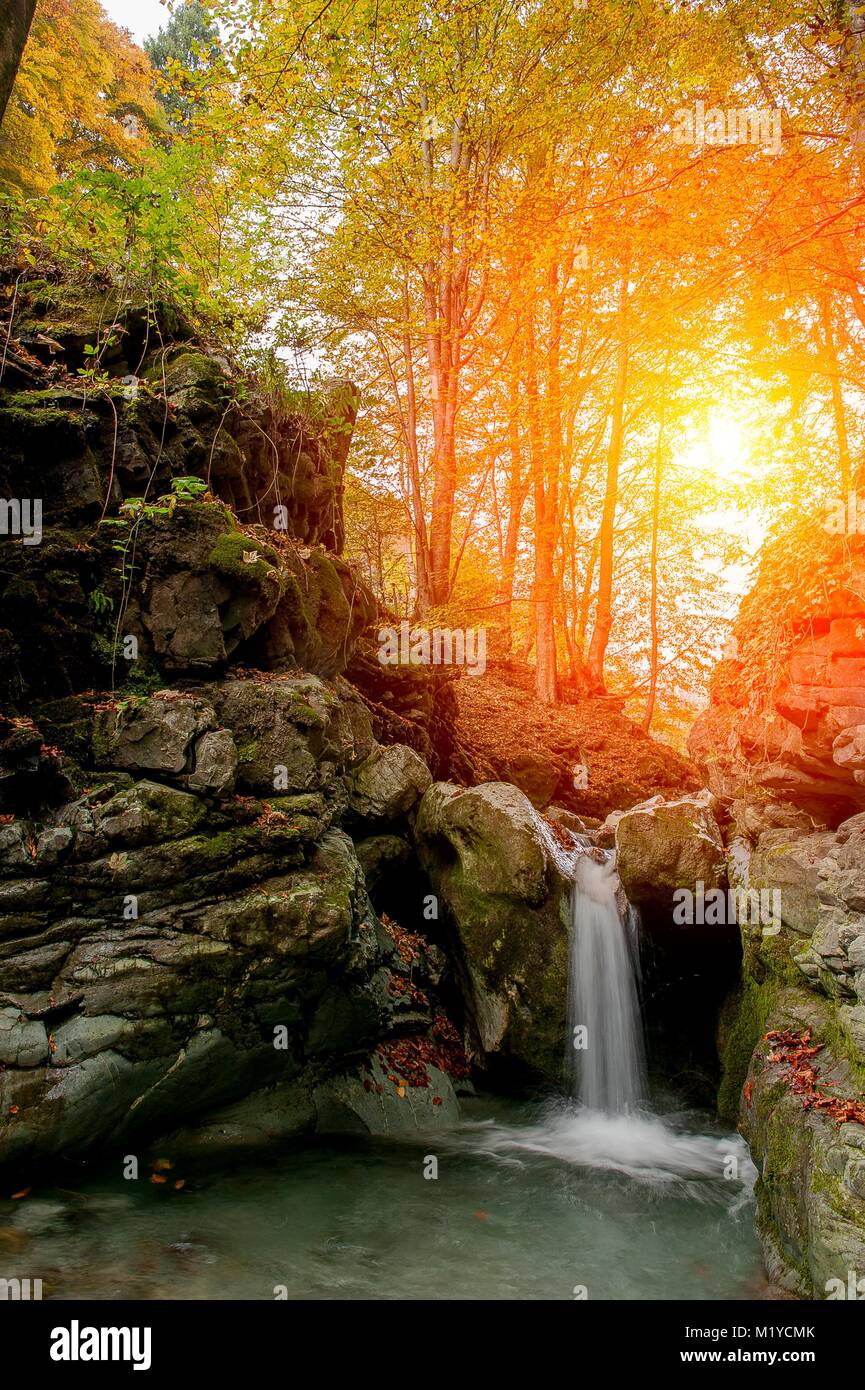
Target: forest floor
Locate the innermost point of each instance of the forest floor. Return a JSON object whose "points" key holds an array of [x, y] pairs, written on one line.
{"points": [[581, 753]]}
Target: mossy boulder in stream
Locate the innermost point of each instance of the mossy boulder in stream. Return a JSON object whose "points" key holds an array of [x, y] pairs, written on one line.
{"points": [[495, 867]]}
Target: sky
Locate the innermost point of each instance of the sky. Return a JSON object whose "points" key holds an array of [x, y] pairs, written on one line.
{"points": [[141, 17]]}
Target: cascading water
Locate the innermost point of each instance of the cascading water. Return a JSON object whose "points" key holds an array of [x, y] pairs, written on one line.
{"points": [[605, 1031]]}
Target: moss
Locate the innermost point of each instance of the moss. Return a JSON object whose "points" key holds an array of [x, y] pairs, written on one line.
{"points": [[303, 714], [226, 558], [843, 1045], [741, 1026], [247, 750], [40, 419]]}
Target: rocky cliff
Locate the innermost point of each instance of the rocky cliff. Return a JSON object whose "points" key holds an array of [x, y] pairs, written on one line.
{"points": [[785, 770]]}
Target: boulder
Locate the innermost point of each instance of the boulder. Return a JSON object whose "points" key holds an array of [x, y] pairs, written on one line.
{"points": [[292, 733], [388, 784], [497, 870], [155, 735], [665, 845], [789, 864], [215, 763]]}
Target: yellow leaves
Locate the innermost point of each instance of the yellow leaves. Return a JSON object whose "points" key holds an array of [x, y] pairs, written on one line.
{"points": [[79, 79], [163, 1165]]}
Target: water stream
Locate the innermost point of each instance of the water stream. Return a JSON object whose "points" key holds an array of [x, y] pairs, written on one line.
{"points": [[589, 1194]]}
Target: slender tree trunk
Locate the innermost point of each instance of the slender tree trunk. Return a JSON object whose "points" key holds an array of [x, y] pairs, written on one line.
{"points": [[604, 611], [14, 27], [834, 373], [586, 596], [653, 565], [421, 539], [518, 488], [546, 683]]}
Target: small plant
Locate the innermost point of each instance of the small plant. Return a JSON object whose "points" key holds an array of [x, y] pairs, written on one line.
{"points": [[101, 603], [188, 489]]}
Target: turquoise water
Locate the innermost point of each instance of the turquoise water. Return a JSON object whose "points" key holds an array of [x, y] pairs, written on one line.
{"points": [[529, 1203]]}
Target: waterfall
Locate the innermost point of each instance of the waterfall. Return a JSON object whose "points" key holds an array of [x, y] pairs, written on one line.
{"points": [[607, 1061]]}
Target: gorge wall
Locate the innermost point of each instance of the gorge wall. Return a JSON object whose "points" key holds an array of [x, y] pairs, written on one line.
{"points": [[788, 784]]}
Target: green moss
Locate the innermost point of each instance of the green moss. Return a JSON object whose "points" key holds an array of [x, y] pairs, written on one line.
{"points": [[226, 558], [247, 750], [741, 1026], [843, 1045], [40, 419], [304, 715]]}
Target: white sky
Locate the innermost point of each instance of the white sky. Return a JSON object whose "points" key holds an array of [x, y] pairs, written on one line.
{"points": [[141, 17]]}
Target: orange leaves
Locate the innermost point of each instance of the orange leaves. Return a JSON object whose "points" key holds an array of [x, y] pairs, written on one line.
{"points": [[749, 1091], [792, 1051], [19, 1196], [408, 1059]]}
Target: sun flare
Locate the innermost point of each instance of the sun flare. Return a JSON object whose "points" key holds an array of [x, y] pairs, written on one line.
{"points": [[722, 447]]}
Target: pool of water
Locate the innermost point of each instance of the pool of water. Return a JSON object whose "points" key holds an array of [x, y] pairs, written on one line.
{"points": [[529, 1202]]}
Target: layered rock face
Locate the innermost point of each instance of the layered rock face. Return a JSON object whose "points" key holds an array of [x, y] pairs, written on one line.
{"points": [[808, 747], [174, 938], [186, 931], [132, 549], [793, 1049], [792, 1037]]}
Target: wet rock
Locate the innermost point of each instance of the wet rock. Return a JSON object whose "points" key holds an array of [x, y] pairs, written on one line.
{"points": [[372, 1102], [23, 1042], [495, 866]]}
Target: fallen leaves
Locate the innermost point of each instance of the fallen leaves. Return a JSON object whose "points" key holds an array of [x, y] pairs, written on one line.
{"points": [[410, 946], [407, 1059], [793, 1051]]}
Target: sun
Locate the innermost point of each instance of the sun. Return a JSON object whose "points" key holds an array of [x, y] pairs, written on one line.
{"points": [[722, 448]]}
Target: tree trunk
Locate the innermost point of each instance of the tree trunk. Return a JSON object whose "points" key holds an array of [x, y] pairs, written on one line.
{"points": [[14, 28], [518, 488], [653, 564], [834, 373], [421, 539], [604, 612], [546, 683]]}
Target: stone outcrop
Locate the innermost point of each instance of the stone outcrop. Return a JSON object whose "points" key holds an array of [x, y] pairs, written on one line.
{"points": [[185, 524], [803, 979], [187, 939], [806, 746], [169, 949]]}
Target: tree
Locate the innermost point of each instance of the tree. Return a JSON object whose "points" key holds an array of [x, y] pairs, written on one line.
{"points": [[13, 37], [182, 51]]}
